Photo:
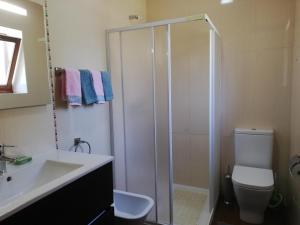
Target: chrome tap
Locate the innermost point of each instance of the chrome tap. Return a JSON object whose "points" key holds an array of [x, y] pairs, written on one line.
{"points": [[4, 158]]}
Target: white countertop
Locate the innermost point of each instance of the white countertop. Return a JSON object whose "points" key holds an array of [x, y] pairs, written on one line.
{"points": [[89, 163]]}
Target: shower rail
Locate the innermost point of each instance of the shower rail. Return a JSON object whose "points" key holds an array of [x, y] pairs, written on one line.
{"points": [[186, 19]]}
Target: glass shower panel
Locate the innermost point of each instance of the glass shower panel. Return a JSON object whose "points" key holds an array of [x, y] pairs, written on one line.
{"points": [[117, 126], [162, 123], [215, 116], [190, 101], [190, 108], [137, 63], [166, 124]]}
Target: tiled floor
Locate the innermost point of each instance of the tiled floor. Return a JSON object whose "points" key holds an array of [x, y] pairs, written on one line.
{"points": [[230, 215], [188, 206]]}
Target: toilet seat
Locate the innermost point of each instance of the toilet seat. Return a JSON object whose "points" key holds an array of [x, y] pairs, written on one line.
{"points": [[253, 178]]}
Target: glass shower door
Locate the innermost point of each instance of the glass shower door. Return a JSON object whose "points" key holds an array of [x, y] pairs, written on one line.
{"points": [[138, 103], [161, 82], [139, 68], [215, 117], [190, 107]]}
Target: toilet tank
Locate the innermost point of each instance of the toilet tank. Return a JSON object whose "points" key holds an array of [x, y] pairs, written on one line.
{"points": [[253, 147]]}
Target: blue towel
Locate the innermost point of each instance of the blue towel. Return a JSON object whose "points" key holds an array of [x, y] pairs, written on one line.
{"points": [[107, 88], [87, 87]]}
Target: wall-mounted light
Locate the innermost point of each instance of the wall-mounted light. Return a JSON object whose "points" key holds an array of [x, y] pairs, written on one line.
{"points": [[223, 2], [13, 8]]}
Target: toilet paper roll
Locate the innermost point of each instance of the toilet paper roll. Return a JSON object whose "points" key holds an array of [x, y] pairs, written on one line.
{"points": [[294, 160], [295, 169]]}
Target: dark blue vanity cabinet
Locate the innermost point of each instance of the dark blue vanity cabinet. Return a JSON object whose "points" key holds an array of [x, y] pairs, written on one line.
{"points": [[85, 201]]}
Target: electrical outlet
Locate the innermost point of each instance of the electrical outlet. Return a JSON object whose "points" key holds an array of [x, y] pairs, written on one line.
{"points": [[77, 141]]}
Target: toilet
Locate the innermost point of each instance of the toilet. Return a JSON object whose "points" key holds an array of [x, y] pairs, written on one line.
{"points": [[130, 208], [252, 175]]}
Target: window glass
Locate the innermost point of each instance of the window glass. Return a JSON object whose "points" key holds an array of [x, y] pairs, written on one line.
{"points": [[12, 63], [6, 55]]}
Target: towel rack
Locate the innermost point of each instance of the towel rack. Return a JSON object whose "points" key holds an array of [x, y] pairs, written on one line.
{"points": [[58, 71]]}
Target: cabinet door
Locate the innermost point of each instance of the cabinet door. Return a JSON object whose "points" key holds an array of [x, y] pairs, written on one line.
{"points": [[106, 218], [78, 203]]}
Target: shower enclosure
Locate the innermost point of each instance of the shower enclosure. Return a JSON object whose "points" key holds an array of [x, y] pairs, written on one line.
{"points": [[165, 117]]}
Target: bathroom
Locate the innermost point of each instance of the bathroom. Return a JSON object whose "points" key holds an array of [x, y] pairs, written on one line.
{"points": [[259, 88]]}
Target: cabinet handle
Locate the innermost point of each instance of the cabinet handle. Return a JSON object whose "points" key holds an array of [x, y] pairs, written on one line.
{"points": [[97, 217]]}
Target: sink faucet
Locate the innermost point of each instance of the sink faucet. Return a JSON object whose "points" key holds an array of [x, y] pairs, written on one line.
{"points": [[4, 159]]}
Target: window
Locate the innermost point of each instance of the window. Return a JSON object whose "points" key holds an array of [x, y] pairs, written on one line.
{"points": [[9, 51]]}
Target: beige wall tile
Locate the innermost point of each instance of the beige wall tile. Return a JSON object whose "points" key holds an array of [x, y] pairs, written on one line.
{"points": [[274, 21], [199, 161], [295, 124], [77, 40], [297, 27], [30, 129], [191, 157], [181, 159], [294, 184], [257, 38], [190, 61]]}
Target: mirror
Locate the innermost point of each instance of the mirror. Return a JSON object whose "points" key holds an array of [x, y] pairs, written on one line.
{"points": [[23, 54]]}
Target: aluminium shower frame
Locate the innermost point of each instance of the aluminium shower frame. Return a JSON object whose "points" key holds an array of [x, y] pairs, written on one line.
{"points": [[152, 25]]}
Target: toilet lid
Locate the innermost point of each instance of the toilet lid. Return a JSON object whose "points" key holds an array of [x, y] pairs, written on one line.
{"points": [[250, 177]]}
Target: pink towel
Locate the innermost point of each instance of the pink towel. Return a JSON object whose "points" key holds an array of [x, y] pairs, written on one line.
{"points": [[98, 86], [71, 87]]}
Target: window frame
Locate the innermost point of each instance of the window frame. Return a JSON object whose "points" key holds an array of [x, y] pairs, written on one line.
{"points": [[8, 88]]}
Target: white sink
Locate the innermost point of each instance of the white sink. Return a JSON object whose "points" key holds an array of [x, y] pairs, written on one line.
{"points": [[18, 183], [23, 185]]}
